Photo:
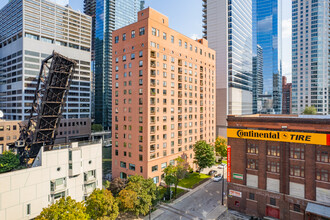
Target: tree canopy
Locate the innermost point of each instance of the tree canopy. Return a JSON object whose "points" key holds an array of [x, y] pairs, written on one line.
{"points": [[8, 161], [138, 195], [221, 147], [117, 185], [65, 208], [97, 128], [102, 205], [310, 111], [204, 155]]}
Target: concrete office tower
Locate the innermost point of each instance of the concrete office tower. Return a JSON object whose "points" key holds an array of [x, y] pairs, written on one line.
{"points": [[268, 34], [228, 28], [109, 16], [257, 80], [310, 56], [68, 170], [30, 31], [164, 96], [287, 96]]}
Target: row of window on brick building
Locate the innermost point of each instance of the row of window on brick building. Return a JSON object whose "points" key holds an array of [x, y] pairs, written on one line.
{"points": [[296, 153]]}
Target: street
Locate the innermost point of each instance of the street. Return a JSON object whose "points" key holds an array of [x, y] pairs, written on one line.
{"points": [[203, 202]]}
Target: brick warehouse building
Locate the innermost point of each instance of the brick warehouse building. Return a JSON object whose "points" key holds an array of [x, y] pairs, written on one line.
{"points": [[280, 166], [163, 96]]}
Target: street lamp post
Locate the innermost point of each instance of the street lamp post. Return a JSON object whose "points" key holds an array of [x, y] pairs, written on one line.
{"points": [[223, 183]]}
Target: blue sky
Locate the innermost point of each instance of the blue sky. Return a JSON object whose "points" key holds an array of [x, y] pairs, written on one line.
{"points": [[185, 16]]}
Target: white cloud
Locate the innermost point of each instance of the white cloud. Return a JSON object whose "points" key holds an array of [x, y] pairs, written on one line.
{"points": [[286, 29], [195, 36]]}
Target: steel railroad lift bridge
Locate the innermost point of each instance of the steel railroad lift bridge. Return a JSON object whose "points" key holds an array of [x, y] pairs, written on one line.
{"points": [[51, 91]]}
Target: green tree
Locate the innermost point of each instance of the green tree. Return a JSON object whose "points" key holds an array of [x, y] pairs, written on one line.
{"points": [[204, 155], [117, 185], [8, 161], [97, 128], [182, 168], [102, 205], [170, 177], [65, 208], [310, 111], [141, 193], [221, 147]]}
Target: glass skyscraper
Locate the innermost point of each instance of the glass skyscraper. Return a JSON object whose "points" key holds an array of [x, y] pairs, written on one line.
{"points": [[268, 35], [310, 56], [109, 15], [228, 28]]}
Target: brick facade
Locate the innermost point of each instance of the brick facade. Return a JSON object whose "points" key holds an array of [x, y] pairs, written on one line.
{"points": [[279, 178]]}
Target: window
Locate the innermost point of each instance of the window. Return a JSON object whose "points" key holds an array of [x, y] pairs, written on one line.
{"points": [[140, 157], [252, 164], [164, 165], [156, 179], [140, 63], [322, 156], [251, 196], [297, 153], [273, 151], [172, 39], [122, 164], [132, 56], [298, 171], [153, 31], [185, 45], [323, 175], [154, 168], [252, 149], [296, 207], [133, 34], [28, 209], [272, 201], [132, 166], [164, 35], [124, 58], [140, 53], [273, 167], [8, 127], [180, 42], [124, 37], [142, 31], [116, 39]]}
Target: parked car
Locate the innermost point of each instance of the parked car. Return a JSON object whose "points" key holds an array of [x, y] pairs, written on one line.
{"points": [[217, 178], [212, 172], [221, 166]]}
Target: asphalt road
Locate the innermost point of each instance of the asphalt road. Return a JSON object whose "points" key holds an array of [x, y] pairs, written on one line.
{"points": [[198, 204]]}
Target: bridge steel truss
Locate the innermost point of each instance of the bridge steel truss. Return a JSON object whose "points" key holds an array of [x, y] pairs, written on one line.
{"points": [[52, 87]]}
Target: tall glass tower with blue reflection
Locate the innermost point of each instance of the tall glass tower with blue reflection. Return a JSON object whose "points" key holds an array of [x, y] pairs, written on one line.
{"points": [[109, 15], [268, 35]]}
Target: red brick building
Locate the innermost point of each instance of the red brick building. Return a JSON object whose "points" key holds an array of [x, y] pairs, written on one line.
{"points": [[286, 96], [280, 166]]}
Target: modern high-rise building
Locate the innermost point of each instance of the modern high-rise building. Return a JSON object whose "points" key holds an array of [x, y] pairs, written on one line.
{"points": [[257, 80], [310, 56], [109, 16], [287, 96], [164, 96], [228, 29], [30, 31], [268, 35]]}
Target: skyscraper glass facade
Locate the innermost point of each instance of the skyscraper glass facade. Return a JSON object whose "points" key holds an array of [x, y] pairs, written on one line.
{"points": [[110, 15], [240, 44], [310, 56], [268, 35]]}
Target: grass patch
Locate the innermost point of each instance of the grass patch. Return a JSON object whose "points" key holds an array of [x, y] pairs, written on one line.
{"points": [[193, 179], [162, 191]]}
